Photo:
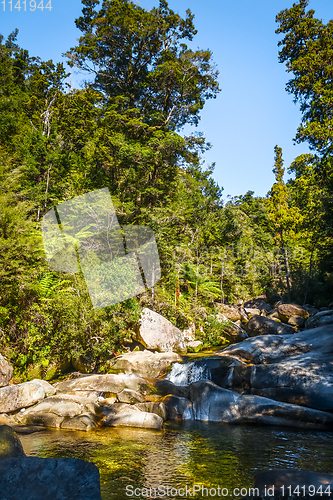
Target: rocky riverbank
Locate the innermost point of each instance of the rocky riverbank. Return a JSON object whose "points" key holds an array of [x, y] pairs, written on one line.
{"points": [[276, 377]]}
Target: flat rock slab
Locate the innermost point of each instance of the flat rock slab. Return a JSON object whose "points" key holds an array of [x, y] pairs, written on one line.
{"points": [[33, 478], [109, 383], [14, 397], [144, 363]]}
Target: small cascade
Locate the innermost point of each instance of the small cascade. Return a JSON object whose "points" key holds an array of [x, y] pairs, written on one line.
{"points": [[185, 373]]}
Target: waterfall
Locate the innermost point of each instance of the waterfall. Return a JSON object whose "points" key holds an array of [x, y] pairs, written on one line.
{"points": [[186, 373]]}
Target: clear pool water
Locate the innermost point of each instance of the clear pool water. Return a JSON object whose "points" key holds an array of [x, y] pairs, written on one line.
{"points": [[206, 454]]}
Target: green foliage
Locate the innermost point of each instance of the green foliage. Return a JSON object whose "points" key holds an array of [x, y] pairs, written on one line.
{"points": [[307, 51], [213, 330]]}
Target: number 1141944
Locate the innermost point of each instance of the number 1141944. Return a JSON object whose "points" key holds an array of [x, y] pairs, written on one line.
{"points": [[24, 5]]}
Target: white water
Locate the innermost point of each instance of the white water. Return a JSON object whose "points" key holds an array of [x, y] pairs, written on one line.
{"points": [[186, 373]]}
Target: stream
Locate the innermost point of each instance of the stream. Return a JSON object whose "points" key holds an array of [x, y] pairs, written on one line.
{"points": [[208, 454], [184, 453]]}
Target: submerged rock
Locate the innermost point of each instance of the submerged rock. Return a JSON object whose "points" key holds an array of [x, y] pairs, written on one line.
{"points": [[33, 478], [10, 445]]}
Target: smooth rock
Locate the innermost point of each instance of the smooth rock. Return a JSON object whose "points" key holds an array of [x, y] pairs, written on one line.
{"points": [[14, 397], [215, 404], [258, 303], [296, 321], [129, 396], [144, 363], [6, 371], [107, 383], [293, 368], [79, 423], [286, 311], [234, 333], [120, 414], [157, 333], [261, 325], [320, 319], [27, 429], [178, 408], [251, 311], [195, 345], [151, 407], [52, 411], [273, 314], [229, 312], [10, 445], [34, 478]]}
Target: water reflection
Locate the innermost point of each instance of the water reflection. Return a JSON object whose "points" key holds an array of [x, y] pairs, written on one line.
{"points": [[189, 453]]}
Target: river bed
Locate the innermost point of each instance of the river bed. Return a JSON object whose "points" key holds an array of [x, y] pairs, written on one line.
{"points": [[206, 454]]}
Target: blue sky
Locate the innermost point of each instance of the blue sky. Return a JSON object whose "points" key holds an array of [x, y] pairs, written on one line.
{"points": [[251, 114]]}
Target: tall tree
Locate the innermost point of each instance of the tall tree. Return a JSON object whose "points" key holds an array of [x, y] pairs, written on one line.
{"points": [[308, 53], [140, 56], [282, 216]]}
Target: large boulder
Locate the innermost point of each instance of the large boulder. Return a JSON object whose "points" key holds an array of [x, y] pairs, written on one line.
{"points": [[261, 325], [121, 414], [212, 403], [293, 368], [230, 312], [10, 445], [157, 333], [6, 371], [144, 363], [33, 478], [231, 331], [14, 397], [57, 411], [320, 319], [258, 303], [286, 311]]}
